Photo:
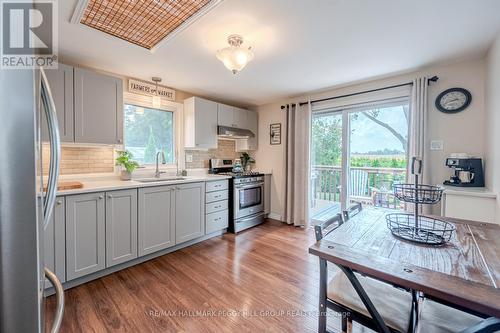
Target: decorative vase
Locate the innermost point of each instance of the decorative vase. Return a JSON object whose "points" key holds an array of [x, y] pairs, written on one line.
{"points": [[125, 175]]}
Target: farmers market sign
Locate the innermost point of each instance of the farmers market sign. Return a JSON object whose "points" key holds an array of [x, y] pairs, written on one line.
{"points": [[146, 88]]}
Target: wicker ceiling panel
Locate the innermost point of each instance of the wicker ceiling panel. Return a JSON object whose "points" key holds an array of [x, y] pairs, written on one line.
{"points": [[142, 22]]}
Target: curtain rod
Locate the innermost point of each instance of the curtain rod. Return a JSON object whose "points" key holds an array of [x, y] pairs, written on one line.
{"points": [[432, 79]]}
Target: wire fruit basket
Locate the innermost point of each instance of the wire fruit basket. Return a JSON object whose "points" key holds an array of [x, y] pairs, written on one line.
{"points": [[414, 227]]}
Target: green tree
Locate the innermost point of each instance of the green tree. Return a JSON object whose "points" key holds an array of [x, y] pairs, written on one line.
{"points": [[326, 140], [150, 152]]}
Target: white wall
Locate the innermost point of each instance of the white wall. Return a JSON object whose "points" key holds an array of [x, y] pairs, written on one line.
{"points": [[463, 132], [493, 119]]}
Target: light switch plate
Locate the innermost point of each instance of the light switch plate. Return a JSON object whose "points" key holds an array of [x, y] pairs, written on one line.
{"points": [[189, 158], [437, 145]]}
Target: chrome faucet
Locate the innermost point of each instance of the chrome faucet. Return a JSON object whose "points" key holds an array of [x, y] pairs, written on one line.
{"points": [[163, 161]]}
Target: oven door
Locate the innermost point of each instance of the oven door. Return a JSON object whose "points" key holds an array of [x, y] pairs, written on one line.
{"points": [[248, 199]]}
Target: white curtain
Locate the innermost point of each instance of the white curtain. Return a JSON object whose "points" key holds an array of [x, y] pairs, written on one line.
{"points": [[297, 164], [418, 129]]}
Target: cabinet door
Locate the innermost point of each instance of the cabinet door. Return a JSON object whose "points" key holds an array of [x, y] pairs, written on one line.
{"points": [[61, 87], [121, 226], [225, 115], [253, 125], [156, 225], [267, 194], [98, 108], [85, 228], [189, 212], [54, 254], [205, 124], [240, 118]]}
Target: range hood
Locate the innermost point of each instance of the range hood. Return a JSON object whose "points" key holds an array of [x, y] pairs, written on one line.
{"points": [[234, 133]]}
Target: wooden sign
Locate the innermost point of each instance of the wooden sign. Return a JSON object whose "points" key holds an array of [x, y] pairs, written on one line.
{"points": [[146, 88], [275, 134]]}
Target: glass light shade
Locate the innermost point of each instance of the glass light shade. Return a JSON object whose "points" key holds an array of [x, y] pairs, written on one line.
{"points": [[156, 101], [235, 57]]}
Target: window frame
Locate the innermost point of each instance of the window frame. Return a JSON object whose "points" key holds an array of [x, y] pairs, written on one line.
{"points": [[168, 106]]}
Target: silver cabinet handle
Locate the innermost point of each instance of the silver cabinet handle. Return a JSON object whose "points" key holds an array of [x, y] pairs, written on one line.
{"points": [[55, 147], [110, 196], [101, 197], [59, 297], [59, 202], [119, 140]]}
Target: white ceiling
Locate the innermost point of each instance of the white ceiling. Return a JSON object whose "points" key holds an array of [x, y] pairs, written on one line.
{"points": [[299, 45]]}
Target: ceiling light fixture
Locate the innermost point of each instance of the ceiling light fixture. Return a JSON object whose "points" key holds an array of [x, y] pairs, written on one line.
{"points": [[157, 98], [235, 57]]}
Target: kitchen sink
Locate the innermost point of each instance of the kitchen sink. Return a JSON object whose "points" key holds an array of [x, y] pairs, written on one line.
{"points": [[161, 179]]}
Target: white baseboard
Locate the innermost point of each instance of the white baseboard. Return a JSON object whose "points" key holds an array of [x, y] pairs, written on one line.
{"points": [[275, 216]]}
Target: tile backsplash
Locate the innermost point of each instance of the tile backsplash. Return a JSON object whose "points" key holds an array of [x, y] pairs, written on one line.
{"points": [[77, 160], [225, 149], [80, 160]]}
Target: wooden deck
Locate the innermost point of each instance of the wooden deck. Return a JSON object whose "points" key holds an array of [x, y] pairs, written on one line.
{"points": [[262, 280], [324, 210]]}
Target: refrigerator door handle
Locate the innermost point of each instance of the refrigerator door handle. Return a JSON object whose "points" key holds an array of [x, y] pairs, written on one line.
{"points": [[59, 297], [55, 148]]}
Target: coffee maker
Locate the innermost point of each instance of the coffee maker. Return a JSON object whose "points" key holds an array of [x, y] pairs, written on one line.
{"points": [[467, 172]]}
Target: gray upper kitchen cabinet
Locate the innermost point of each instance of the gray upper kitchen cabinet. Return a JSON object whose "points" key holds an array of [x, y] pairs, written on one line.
{"points": [[240, 118], [253, 125], [189, 212], [200, 123], [85, 234], [54, 243], [156, 224], [98, 107], [121, 226], [225, 115], [61, 87]]}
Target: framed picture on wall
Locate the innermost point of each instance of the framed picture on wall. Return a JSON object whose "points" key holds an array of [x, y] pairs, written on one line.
{"points": [[275, 134]]}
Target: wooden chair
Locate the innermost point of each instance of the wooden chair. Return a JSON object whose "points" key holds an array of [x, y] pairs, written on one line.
{"points": [[438, 318], [394, 305], [352, 211]]}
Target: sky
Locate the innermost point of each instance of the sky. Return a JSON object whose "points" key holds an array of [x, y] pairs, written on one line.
{"points": [[368, 136]]}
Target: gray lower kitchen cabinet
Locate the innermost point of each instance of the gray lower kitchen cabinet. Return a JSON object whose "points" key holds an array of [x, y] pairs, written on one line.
{"points": [[189, 212], [54, 243], [98, 104], [121, 226], [61, 87], [85, 234], [156, 224]]}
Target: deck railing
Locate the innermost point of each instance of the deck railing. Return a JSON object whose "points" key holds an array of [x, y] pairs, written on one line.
{"points": [[371, 185]]}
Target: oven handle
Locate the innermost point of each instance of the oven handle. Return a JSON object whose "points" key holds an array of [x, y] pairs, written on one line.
{"points": [[243, 187], [250, 218]]}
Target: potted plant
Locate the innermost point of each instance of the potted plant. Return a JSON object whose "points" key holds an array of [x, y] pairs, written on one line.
{"points": [[246, 160], [128, 165]]}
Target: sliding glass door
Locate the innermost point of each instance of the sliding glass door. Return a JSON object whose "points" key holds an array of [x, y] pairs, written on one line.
{"points": [[357, 155]]}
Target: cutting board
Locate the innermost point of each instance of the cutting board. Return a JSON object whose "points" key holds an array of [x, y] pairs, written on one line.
{"points": [[61, 186]]}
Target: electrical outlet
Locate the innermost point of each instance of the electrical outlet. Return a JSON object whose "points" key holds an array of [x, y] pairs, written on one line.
{"points": [[437, 145], [189, 158]]}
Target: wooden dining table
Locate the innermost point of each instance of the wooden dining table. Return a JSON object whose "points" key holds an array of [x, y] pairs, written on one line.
{"points": [[464, 273]]}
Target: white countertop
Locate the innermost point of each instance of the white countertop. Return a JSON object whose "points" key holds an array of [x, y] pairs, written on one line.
{"points": [[111, 183], [470, 191]]}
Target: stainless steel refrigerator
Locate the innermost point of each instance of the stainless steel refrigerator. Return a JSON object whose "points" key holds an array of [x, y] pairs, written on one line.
{"points": [[25, 210]]}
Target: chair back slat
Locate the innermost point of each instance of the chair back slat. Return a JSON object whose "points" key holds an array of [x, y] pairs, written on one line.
{"points": [[352, 211], [323, 229]]}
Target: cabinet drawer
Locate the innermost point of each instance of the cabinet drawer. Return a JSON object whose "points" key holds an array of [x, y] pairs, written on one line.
{"points": [[216, 206], [217, 196], [217, 185], [217, 221]]}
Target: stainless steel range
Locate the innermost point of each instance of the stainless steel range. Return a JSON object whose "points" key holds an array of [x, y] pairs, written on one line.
{"points": [[246, 195]]}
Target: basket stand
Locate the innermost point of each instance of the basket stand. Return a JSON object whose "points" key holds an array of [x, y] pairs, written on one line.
{"points": [[414, 227]]}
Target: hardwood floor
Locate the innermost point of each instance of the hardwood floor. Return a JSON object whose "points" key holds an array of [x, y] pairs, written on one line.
{"points": [[262, 280]]}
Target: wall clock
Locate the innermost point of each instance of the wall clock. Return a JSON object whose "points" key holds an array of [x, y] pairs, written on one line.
{"points": [[453, 100]]}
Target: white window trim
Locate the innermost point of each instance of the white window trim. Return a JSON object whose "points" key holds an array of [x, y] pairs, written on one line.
{"points": [[177, 109]]}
